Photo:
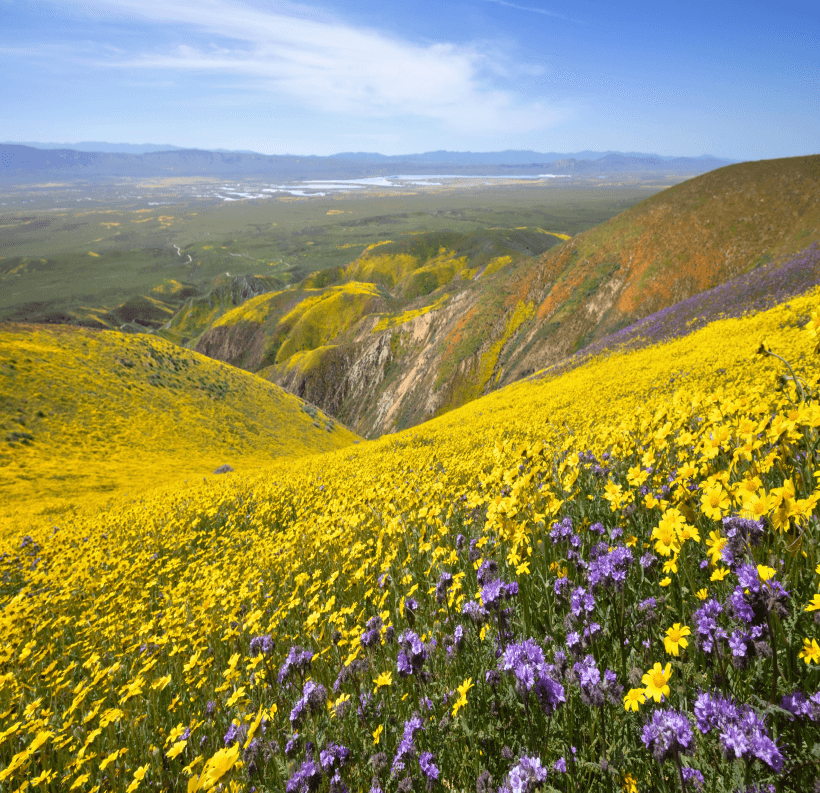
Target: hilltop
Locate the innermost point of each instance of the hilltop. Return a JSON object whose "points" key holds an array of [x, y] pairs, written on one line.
{"points": [[85, 413], [411, 330]]}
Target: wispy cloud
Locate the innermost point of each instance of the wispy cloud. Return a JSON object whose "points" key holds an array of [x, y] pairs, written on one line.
{"points": [[304, 57], [542, 11]]}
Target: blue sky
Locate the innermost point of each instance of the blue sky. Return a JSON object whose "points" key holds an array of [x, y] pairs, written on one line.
{"points": [[736, 79]]}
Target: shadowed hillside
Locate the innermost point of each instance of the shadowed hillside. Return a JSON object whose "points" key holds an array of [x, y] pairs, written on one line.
{"points": [[98, 411], [450, 317]]}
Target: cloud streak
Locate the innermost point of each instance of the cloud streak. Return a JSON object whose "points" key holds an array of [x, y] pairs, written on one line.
{"points": [[304, 58], [532, 10]]}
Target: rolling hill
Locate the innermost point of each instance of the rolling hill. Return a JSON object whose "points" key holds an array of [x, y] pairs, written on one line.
{"points": [[502, 589], [85, 414], [409, 331]]}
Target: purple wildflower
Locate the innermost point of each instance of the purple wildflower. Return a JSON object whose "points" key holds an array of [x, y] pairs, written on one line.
{"points": [[549, 693], [314, 696], [707, 630], [407, 746], [475, 611], [581, 601], [444, 584], [526, 661], [428, 766], [306, 779], [487, 571], [333, 756], [525, 776], [667, 733], [797, 704], [298, 660], [608, 570], [693, 777], [261, 644], [561, 531], [412, 654]]}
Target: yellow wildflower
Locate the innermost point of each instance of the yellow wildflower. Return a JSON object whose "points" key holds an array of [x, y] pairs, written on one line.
{"points": [[47, 776], [715, 502], [719, 574], [634, 698], [810, 651], [666, 532], [630, 784], [219, 765], [715, 544], [377, 734], [814, 605], [674, 639], [462, 690], [235, 697], [384, 679], [176, 749], [139, 774], [656, 681], [109, 759]]}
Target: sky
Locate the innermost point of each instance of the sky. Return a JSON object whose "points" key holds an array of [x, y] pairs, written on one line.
{"points": [[732, 79]]}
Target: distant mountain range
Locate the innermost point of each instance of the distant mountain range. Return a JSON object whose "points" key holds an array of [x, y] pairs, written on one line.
{"points": [[23, 163]]}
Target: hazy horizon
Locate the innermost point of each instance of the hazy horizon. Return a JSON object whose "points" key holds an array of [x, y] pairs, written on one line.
{"points": [[145, 148], [327, 77]]}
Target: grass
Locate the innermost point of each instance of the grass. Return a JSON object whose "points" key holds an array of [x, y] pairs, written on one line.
{"points": [[47, 273]]}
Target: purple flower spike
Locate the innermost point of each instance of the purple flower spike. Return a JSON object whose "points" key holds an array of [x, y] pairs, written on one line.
{"points": [[668, 733]]}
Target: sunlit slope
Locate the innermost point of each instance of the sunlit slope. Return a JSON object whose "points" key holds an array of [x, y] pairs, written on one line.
{"points": [[95, 411], [461, 315], [344, 336], [687, 238], [180, 612]]}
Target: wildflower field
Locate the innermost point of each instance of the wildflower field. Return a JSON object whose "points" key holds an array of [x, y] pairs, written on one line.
{"points": [[604, 579]]}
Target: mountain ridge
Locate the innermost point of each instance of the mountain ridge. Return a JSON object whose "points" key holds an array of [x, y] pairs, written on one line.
{"points": [[25, 163]]}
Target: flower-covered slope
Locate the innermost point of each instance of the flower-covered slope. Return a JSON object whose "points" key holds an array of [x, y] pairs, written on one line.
{"points": [[452, 321], [88, 413], [605, 580]]}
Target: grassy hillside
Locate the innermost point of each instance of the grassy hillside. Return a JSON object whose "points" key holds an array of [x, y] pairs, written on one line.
{"points": [[504, 592], [68, 262], [458, 315], [688, 238], [96, 412]]}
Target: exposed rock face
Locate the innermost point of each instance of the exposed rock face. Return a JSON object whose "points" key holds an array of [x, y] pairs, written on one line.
{"points": [[484, 329], [198, 313]]}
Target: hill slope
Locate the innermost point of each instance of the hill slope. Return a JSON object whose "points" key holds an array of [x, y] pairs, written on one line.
{"points": [[449, 324], [101, 412], [554, 531]]}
